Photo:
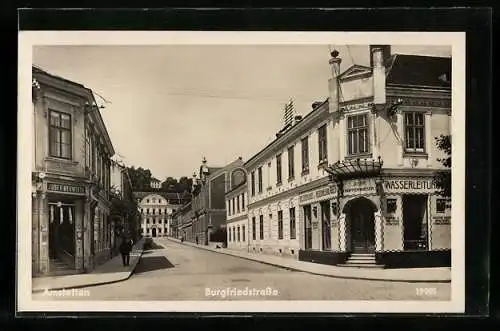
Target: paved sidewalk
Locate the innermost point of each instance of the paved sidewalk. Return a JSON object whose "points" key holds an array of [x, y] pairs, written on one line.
{"points": [[416, 275], [110, 272]]}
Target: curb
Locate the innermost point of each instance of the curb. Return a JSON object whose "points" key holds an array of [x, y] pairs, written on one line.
{"points": [[316, 273], [92, 284]]}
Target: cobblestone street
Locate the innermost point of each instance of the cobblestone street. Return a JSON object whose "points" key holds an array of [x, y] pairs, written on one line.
{"points": [[180, 272]]}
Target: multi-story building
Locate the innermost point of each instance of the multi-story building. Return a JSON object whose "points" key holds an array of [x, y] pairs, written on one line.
{"points": [[156, 210], [208, 201], [183, 222], [355, 176], [71, 177], [236, 211]]}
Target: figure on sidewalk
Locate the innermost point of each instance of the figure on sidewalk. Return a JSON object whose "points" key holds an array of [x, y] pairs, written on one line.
{"points": [[125, 248]]}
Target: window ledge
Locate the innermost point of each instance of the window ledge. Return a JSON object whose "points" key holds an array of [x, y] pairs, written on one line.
{"points": [[420, 155], [290, 179], [305, 172], [57, 159], [359, 156]]}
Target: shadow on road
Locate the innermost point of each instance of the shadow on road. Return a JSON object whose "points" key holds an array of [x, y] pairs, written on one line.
{"points": [[152, 263]]}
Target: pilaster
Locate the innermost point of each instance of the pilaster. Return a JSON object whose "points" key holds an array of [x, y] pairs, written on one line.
{"points": [[428, 138], [400, 130], [44, 233], [342, 232]]}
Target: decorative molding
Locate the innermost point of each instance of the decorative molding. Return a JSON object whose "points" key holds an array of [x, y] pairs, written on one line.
{"points": [[421, 102]]}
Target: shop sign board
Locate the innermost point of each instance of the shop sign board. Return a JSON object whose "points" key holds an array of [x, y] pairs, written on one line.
{"points": [[65, 188]]}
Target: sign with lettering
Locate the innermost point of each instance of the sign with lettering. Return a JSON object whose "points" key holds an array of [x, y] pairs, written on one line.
{"points": [[391, 220], [442, 220], [409, 185], [360, 186], [324, 193], [65, 188]]}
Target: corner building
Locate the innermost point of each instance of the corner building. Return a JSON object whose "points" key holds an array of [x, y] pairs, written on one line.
{"points": [[352, 182]]}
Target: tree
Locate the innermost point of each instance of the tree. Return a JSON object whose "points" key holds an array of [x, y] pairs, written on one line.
{"points": [[170, 185], [185, 184], [442, 178], [140, 178]]}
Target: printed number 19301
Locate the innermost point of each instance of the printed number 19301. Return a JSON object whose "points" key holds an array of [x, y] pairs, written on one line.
{"points": [[426, 291]]}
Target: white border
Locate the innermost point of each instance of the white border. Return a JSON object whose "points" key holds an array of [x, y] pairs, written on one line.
{"points": [[27, 39]]}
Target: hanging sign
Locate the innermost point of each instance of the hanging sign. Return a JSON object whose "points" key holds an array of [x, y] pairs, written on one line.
{"points": [[65, 188]]}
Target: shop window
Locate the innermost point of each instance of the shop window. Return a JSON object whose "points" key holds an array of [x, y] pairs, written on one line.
{"points": [[440, 206], [280, 224], [357, 134], [325, 217], [391, 206], [60, 135], [307, 227], [415, 132]]}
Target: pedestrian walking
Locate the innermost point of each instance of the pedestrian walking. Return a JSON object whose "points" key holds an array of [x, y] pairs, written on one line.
{"points": [[125, 248]]}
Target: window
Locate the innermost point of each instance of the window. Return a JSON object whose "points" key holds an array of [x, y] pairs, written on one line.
{"points": [[142, 210], [325, 218], [259, 171], [87, 149], [147, 211], [291, 166], [278, 169], [391, 206], [238, 204], [60, 135], [229, 235], [147, 200], [228, 203], [159, 211], [243, 201], [414, 132], [253, 229], [234, 233], [280, 224], [305, 154], [269, 185], [252, 182], [154, 211], [239, 233], [322, 145], [243, 234], [159, 200], [440, 205], [292, 223], [234, 209], [357, 133], [154, 220], [261, 227], [147, 220]]}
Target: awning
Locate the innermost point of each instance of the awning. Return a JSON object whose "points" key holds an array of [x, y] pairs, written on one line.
{"points": [[355, 168]]}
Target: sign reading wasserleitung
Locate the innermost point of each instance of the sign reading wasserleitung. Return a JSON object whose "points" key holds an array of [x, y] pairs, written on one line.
{"points": [[416, 185]]}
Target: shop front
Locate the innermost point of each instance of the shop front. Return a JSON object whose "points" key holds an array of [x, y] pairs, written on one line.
{"points": [[400, 221], [58, 216]]}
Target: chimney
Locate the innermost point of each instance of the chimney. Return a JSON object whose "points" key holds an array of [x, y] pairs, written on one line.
{"points": [[386, 50], [333, 82], [377, 57]]}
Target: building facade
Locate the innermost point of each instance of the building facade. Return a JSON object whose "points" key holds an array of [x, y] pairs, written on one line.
{"points": [[236, 211], [157, 210], [70, 178], [208, 202], [352, 182]]}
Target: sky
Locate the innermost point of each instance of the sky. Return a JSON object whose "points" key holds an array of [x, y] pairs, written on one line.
{"points": [[168, 106]]}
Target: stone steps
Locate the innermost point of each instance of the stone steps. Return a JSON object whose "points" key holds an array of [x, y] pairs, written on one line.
{"points": [[361, 260]]}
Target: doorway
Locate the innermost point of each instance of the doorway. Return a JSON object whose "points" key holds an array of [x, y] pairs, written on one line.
{"points": [[307, 227], [360, 213], [415, 222], [61, 229], [153, 232]]}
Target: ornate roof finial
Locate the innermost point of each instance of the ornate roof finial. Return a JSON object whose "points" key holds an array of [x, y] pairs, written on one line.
{"points": [[204, 160], [334, 53]]}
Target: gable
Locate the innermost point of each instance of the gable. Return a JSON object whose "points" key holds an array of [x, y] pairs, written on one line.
{"points": [[355, 71]]}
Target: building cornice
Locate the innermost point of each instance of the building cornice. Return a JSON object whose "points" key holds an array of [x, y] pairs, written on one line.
{"points": [[294, 191], [237, 218]]}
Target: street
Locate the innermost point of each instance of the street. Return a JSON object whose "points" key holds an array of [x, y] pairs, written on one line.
{"points": [[180, 272]]}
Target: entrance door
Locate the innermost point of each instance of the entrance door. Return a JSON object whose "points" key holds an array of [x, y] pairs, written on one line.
{"points": [[61, 229], [362, 221], [153, 231], [415, 222]]}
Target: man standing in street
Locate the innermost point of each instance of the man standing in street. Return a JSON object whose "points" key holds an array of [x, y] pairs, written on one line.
{"points": [[125, 248]]}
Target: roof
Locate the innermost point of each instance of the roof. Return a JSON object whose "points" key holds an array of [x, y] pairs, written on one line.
{"points": [[418, 70], [182, 197]]}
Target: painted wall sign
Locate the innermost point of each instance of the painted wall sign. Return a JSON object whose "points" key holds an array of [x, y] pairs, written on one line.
{"points": [[65, 188], [324, 193], [391, 220], [420, 185], [442, 220], [360, 186]]}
